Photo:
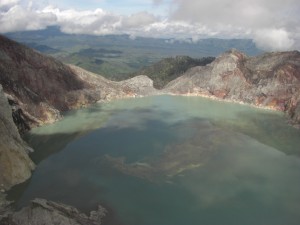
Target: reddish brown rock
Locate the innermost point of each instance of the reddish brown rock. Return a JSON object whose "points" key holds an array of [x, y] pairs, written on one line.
{"points": [[271, 80]]}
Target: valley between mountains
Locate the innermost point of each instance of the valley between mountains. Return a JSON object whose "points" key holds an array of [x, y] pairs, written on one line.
{"points": [[36, 89]]}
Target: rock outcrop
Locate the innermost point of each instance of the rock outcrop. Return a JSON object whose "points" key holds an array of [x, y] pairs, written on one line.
{"points": [[15, 165], [40, 87], [271, 80], [41, 211]]}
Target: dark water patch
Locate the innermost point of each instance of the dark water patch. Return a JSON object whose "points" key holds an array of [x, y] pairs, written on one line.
{"points": [[99, 61], [50, 144], [280, 134]]}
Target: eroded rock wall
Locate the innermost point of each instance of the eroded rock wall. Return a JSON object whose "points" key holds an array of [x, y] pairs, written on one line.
{"points": [[15, 165], [271, 80], [41, 87]]}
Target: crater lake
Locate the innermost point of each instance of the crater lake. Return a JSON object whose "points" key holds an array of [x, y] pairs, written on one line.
{"points": [[170, 160]]}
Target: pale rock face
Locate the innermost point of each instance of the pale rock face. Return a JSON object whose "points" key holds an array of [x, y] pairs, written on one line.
{"points": [[15, 165], [139, 85], [271, 80]]}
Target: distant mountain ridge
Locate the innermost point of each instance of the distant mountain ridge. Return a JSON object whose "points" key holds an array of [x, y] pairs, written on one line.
{"points": [[208, 46], [87, 51]]}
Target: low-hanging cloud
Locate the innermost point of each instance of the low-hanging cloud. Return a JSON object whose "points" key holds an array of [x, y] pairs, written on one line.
{"points": [[272, 25], [7, 3], [138, 20], [18, 17], [273, 39], [95, 22]]}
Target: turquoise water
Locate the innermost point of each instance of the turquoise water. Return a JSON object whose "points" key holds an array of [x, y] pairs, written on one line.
{"points": [[167, 160]]}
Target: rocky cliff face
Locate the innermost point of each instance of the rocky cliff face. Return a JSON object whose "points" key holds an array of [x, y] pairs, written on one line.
{"points": [[40, 87], [271, 80], [15, 165]]}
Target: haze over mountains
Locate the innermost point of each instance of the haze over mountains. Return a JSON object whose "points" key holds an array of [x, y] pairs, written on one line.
{"points": [[272, 25], [118, 56]]}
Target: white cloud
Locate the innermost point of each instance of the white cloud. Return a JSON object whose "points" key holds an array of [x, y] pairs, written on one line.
{"points": [[157, 2], [96, 22], [21, 18], [7, 3], [236, 12], [138, 20], [273, 25], [273, 39]]}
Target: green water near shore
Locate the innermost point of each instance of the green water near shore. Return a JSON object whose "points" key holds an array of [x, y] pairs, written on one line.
{"points": [[168, 160]]}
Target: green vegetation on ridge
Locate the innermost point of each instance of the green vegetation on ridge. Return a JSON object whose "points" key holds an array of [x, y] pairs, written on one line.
{"points": [[169, 69]]}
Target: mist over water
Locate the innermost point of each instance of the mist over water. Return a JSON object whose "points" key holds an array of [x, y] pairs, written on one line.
{"points": [[170, 160]]}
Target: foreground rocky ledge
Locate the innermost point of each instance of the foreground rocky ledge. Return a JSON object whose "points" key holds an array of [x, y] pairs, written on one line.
{"points": [[43, 212]]}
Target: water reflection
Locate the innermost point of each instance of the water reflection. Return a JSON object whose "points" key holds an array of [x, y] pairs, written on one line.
{"points": [[171, 160], [267, 128]]}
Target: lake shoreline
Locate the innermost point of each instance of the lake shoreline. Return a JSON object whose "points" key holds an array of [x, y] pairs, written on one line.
{"points": [[213, 98]]}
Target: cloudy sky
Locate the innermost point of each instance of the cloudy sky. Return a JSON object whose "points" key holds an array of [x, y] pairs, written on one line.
{"points": [[272, 24]]}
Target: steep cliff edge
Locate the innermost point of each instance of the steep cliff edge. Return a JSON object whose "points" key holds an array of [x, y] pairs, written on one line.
{"points": [[15, 165], [40, 87], [271, 80]]}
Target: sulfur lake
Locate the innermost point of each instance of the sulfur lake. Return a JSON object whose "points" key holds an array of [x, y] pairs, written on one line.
{"points": [[170, 160]]}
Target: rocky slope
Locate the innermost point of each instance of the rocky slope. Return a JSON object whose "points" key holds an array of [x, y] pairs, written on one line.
{"points": [[40, 87], [15, 165], [270, 80]]}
